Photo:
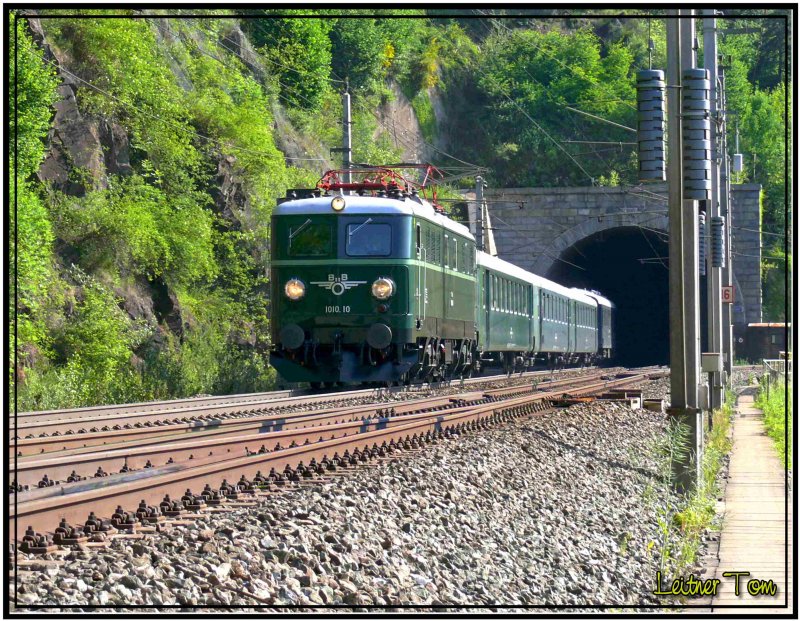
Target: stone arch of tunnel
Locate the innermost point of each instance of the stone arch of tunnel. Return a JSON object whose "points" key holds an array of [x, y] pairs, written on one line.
{"points": [[627, 264], [618, 256]]}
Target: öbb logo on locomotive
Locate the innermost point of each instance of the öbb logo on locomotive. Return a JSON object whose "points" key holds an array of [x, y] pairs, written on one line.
{"points": [[385, 231], [338, 285]]}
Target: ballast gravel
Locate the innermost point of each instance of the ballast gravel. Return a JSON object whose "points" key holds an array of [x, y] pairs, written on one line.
{"points": [[546, 511]]}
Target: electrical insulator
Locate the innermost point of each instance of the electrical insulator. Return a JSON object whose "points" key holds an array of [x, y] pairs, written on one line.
{"points": [[717, 241], [696, 126], [650, 90], [701, 235]]}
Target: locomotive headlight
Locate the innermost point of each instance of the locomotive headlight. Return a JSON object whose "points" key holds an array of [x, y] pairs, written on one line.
{"points": [[337, 204], [294, 289], [383, 288]]}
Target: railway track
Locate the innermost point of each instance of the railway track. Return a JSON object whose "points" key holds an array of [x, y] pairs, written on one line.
{"points": [[165, 472], [265, 422], [75, 459], [82, 420]]}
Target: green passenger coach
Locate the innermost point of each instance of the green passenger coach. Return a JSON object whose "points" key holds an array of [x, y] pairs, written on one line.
{"points": [[374, 283]]}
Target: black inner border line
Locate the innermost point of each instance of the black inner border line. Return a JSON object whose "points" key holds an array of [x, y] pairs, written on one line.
{"points": [[12, 7]]}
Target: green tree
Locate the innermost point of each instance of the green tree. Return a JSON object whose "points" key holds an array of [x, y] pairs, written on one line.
{"points": [[299, 53], [33, 286], [526, 74], [357, 46]]}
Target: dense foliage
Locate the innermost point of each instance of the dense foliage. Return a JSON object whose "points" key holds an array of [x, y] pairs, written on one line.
{"points": [[147, 278]]}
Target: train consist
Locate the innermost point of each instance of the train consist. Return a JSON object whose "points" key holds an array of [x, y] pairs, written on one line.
{"points": [[372, 282]]}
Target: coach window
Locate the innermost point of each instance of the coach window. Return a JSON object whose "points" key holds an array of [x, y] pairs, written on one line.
{"points": [[499, 293]]}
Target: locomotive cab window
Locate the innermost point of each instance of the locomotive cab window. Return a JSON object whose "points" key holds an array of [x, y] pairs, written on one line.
{"points": [[310, 239], [369, 239]]}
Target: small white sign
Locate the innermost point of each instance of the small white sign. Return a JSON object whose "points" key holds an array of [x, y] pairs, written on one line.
{"points": [[728, 295]]}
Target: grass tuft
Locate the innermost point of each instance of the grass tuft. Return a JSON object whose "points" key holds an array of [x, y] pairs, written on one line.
{"points": [[777, 414]]}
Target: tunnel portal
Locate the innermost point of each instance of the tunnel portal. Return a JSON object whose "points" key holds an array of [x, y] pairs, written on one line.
{"points": [[629, 266]]}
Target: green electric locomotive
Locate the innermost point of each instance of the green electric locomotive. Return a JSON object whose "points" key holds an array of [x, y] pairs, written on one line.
{"points": [[377, 288], [372, 283]]}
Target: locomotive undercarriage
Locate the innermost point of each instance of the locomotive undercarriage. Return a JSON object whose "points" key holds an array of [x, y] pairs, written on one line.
{"points": [[429, 359]]}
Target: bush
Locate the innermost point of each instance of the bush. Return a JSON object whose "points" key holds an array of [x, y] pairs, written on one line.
{"points": [[92, 355], [777, 415], [137, 228]]}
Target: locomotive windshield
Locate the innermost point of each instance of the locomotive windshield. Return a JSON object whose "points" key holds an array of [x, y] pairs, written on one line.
{"points": [[310, 239], [369, 239]]}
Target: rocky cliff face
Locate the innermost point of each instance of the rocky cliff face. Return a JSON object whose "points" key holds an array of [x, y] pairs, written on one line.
{"points": [[398, 118], [88, 152], [83, 151]]}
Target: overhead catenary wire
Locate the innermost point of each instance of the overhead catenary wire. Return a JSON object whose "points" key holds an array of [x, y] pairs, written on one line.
{"points": [[594, 151], [473, 169], [545, 132], [599, 118]]}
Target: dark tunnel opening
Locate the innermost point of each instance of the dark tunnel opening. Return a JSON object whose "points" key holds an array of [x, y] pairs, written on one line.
{"points": [[629, 266]]}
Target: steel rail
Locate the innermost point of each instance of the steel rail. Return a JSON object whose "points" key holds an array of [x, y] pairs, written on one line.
{"points": [[103, 495], [288, 397]]}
